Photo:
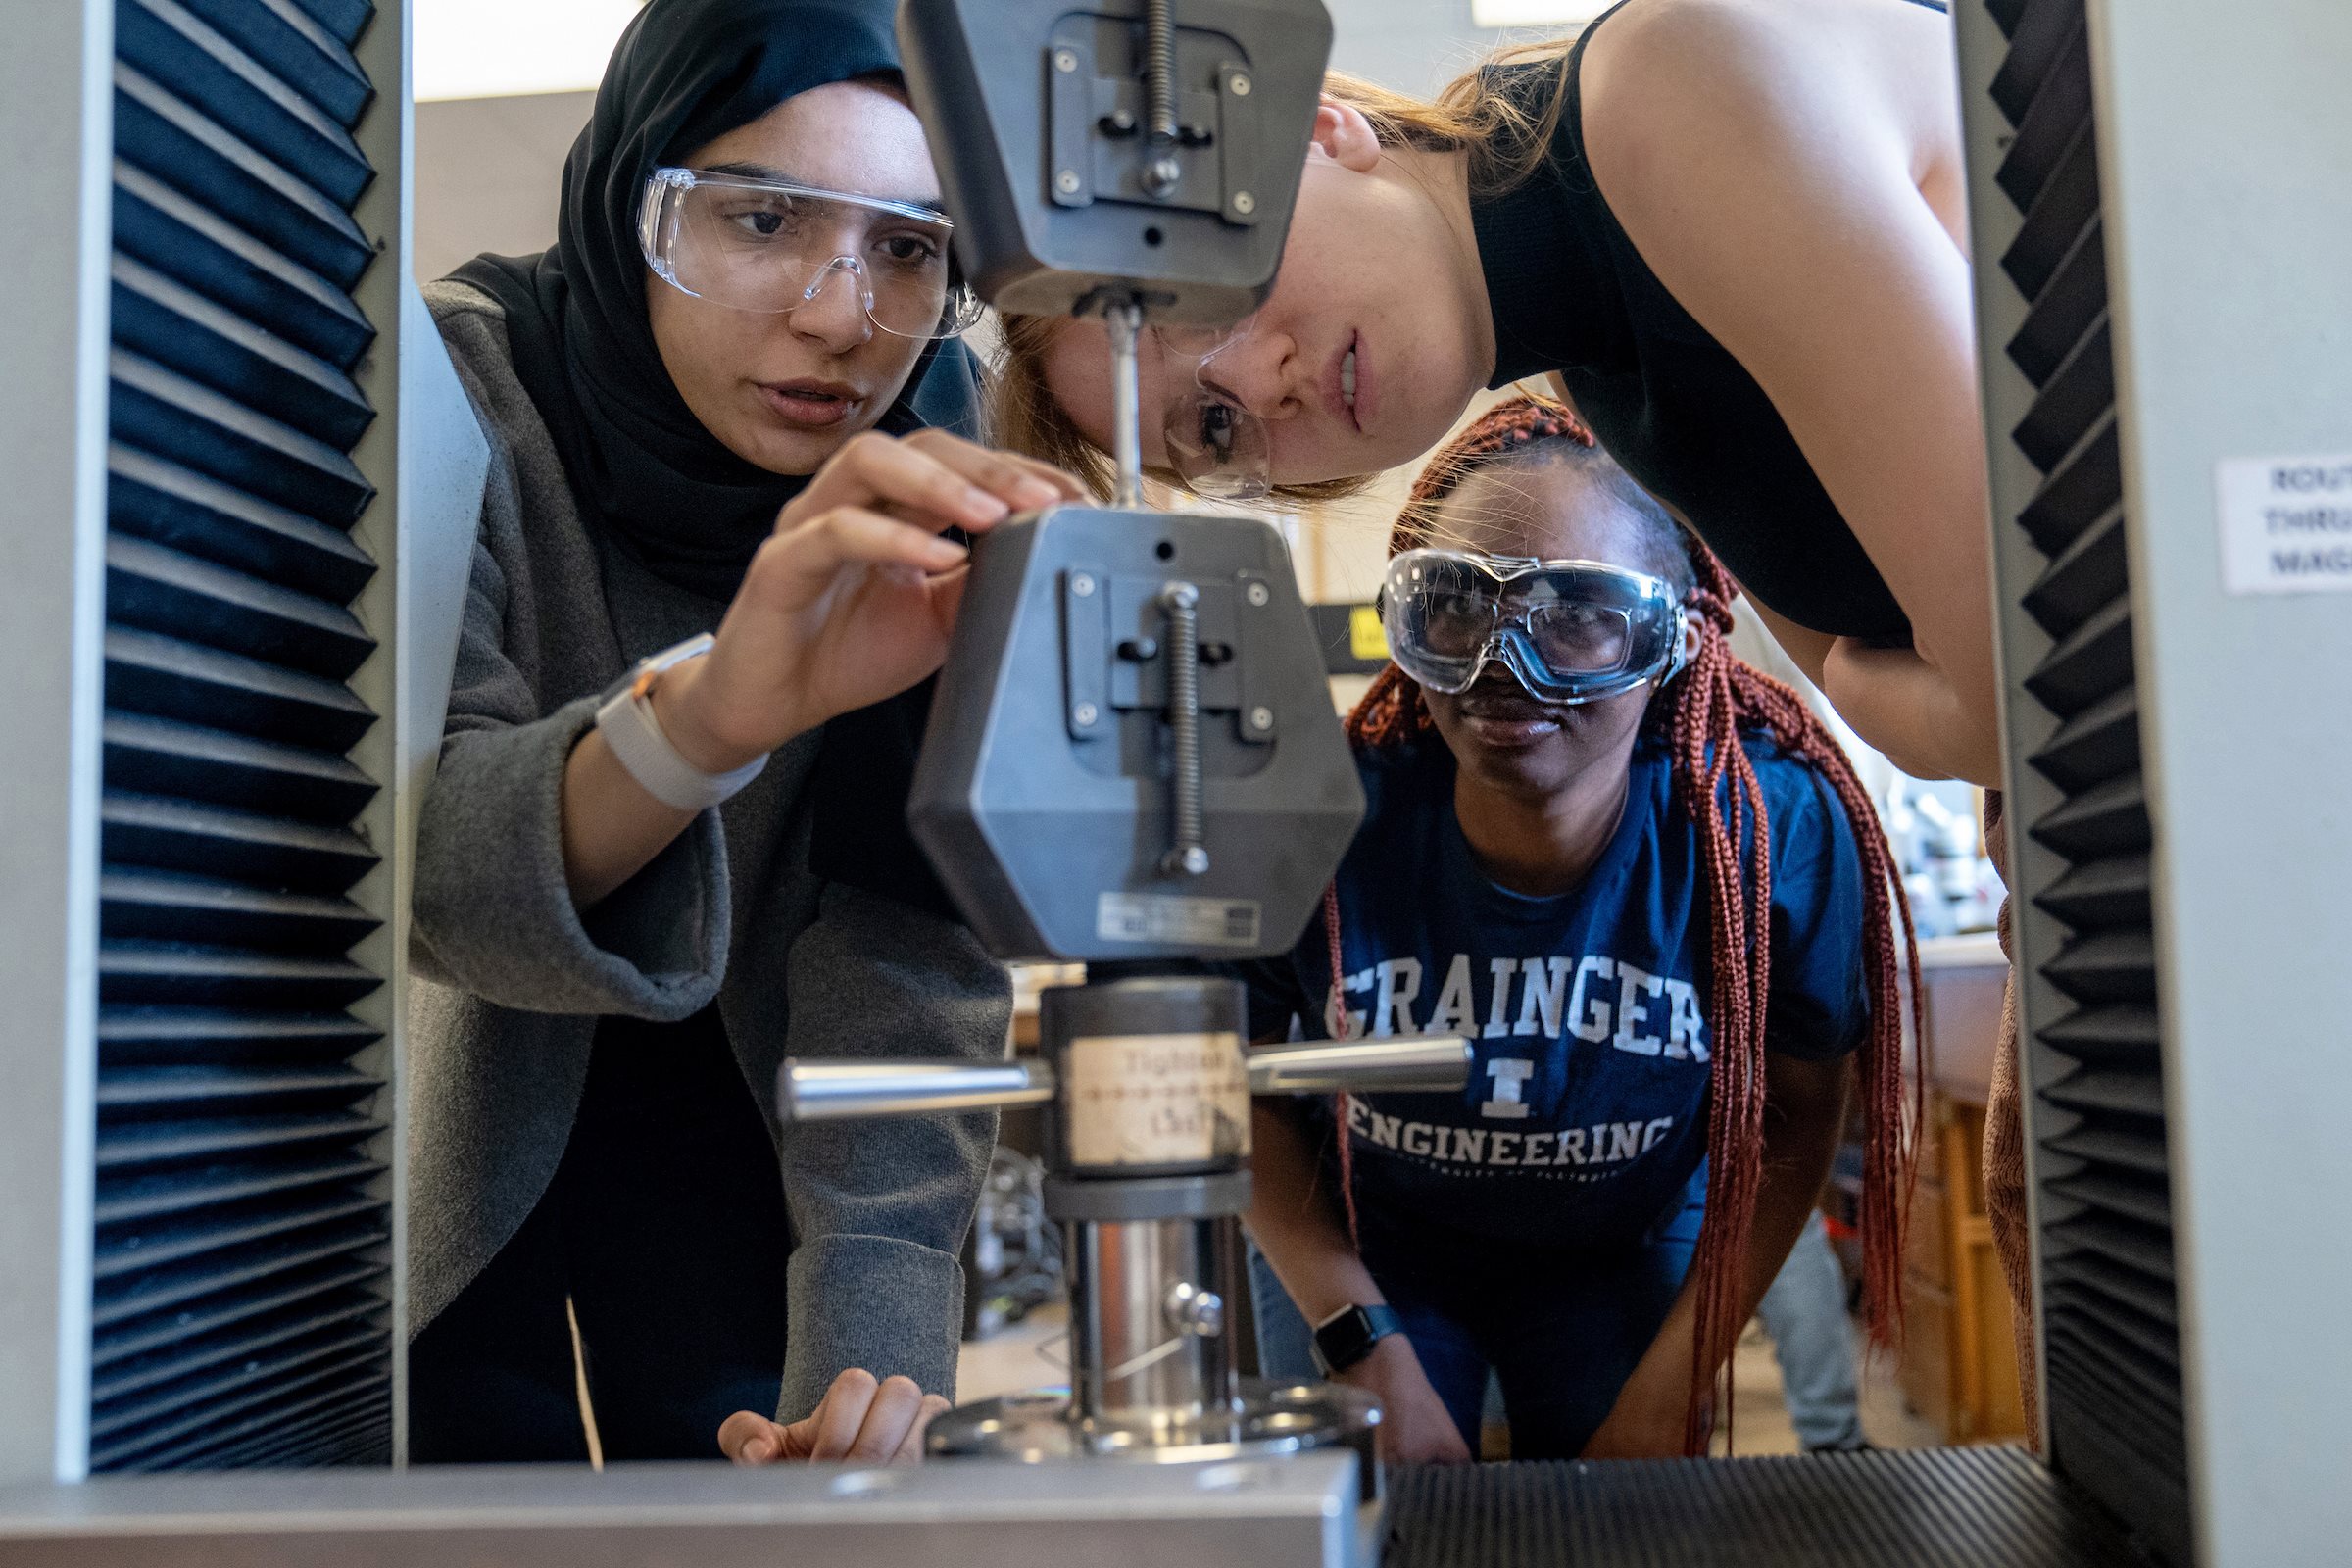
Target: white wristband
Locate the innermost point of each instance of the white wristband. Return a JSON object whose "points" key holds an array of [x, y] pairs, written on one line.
{"points": [[627, 723]]}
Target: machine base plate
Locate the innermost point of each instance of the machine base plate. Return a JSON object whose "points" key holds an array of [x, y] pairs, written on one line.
{"points": [[1270, 1418]]}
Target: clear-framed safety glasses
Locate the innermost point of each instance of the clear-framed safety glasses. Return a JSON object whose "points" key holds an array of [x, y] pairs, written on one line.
{"points": [[1217, 448], [1572, 632], [770, 246]]}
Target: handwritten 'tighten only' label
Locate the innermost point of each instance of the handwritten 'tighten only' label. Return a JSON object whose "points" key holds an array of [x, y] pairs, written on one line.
{"points": [[1157, 1099]]}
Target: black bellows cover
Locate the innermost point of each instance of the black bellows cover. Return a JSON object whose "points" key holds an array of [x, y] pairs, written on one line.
{"points": [[1933, 1508], [2111, 1332], [242, 1210]]}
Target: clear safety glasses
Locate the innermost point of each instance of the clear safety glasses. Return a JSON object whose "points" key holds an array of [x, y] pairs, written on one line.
{"points": [[1217, 448], [770, 246], [1572, 632]]}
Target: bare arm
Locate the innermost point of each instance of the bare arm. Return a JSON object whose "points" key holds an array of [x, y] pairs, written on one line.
{"points": [[1771, 162], [1807, 649], [1804, 1116], [1299, 1226], [1297, 1223]]}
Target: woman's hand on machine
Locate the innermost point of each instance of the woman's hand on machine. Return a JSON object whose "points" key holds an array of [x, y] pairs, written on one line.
{"points": [[1415, 1426], [850, 600], [859, 1420]]}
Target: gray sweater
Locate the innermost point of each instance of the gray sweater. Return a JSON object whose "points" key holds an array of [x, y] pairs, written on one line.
{"points": [[512, 979]]}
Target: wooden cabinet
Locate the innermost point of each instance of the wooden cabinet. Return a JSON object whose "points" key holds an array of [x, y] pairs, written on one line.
{"points": [[1959, 1362]]}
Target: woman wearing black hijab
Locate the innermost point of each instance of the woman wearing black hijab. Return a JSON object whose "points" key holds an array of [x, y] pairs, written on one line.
{"points": [[622, 912]]}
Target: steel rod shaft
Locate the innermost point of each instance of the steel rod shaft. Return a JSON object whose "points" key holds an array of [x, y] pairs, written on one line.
{"points": [[835, 1091], [1125, 319], [1432, 1063]]}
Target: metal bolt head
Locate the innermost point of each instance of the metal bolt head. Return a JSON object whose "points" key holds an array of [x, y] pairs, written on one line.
{"points": [[1194, 862], [1179, 595], [1257, 594], [1237, 85], [1066, 60], [1085, 715], [1188, 1310], [1066, 183], [1244, 203], [1081, 585], [1261, 719]]}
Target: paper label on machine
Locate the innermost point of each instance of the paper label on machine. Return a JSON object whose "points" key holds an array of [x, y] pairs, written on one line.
{"points": [[2287, 524], [1176, 920], [1157, 1099]]}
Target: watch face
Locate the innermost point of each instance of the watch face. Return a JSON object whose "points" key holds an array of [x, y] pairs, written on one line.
{"points": [[1348, 1336]]}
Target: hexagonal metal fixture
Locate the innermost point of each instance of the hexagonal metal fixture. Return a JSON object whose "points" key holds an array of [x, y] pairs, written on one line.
{"points": [[1044, 792]]}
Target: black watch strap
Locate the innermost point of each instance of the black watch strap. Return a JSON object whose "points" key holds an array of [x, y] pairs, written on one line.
{"points": [[1348, 1336]]}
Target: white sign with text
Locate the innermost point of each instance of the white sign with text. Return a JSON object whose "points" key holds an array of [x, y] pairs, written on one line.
{"points": [[2287, 524]]}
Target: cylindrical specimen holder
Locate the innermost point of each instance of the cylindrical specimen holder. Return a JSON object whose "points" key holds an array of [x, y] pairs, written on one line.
{"points": [[1152, 1132], [1146, 1156]]}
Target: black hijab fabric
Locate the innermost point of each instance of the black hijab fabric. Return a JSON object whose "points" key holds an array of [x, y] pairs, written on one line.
{"points": [[685, 73]]}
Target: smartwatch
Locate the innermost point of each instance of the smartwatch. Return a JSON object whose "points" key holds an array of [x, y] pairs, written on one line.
{"points": [[1348, 1336], [627, 723]]}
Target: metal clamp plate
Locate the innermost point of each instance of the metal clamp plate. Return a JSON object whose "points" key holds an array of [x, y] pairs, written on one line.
{"points": [[1217, 154]]}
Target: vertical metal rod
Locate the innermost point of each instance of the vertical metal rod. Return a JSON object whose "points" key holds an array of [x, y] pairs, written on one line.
{"points": [[1125, 319], [1187, 855], [1084, 1262]]}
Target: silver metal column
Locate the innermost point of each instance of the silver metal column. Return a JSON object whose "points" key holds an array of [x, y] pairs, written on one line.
{"points": [[1151, 1348], [56, 141]]}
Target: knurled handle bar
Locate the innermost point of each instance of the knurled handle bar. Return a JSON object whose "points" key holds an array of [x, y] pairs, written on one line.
{"points": [[838, 1091]]}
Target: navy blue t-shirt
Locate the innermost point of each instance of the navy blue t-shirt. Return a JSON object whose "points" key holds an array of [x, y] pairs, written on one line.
{"points": [[1584, 1117]]}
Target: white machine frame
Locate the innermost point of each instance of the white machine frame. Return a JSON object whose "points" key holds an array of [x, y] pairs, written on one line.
{"points": [[2227, 170]]}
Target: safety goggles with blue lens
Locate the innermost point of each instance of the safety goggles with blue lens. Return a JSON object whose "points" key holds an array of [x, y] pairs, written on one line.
{"points": [[770, 246], [1571, 631]]}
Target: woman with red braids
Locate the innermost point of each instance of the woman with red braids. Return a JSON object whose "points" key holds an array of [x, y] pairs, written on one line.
{"points": [[1643, 879]]}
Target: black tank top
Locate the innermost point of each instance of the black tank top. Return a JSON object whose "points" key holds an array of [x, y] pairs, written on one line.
{"points": [[1569, 293]]}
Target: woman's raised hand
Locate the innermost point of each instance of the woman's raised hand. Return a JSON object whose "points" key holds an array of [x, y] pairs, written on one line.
{"points": [[851, 599], [858, 1420]]}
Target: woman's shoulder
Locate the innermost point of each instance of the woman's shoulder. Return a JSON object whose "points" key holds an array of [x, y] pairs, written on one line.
{"points": [[1663, 43], [1665, 81], [529, 521], [457, 296], [472, 323], [473, 328]]}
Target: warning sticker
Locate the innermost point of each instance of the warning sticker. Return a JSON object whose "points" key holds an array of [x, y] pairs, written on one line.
{"points": [[1157, 1100], [2287, 524], [1176, 920]]}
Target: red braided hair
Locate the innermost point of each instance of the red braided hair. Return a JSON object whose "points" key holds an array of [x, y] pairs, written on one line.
{"points": [[1703, 712]]}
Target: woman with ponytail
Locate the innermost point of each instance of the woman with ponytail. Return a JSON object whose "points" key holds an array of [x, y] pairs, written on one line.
{"points": [[1641, 877]]}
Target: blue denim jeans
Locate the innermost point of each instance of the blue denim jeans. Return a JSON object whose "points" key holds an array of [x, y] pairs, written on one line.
{"points": [[1813, 1339]]}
